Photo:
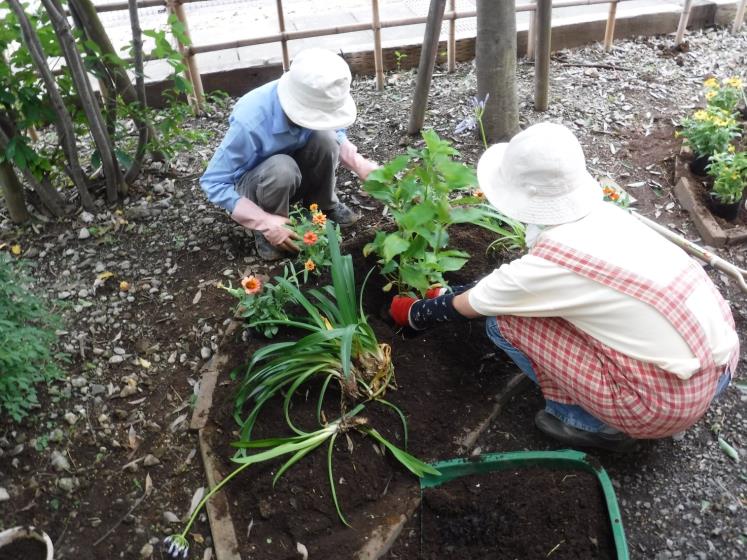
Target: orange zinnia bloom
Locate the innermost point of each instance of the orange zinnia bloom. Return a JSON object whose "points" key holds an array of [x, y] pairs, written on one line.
{"points": [[251, 284], [309, 265], [319, 219], [314, 207], [310, 237]]}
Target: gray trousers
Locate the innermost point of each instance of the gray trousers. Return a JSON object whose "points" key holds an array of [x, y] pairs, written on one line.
{"points": [[307, 176]]}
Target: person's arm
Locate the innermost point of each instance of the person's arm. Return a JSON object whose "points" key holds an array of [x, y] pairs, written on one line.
{"points": [[423, 313], [352, 160], [238, 147]]}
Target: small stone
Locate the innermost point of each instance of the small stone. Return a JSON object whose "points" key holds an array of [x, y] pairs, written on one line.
{"points": [[84, 233], [119, 351], [151, 460], [146, 551], [66, 483], [205, 352], [70, 418], [170, 517], [4, 496], [59, 461], [97, 389], [78, 382], [116, 359]]}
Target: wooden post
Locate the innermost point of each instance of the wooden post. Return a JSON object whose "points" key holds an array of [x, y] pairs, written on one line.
{"points": [[531, 32], [451, 45], [683, 22], [378, 54], [193, 74], [283, 42], [739, 16], [428, 53], [542, 55], [609, 32]]}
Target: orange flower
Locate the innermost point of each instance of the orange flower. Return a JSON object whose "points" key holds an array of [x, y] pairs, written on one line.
{"points": [[319, 219], [309, 265], [251, 284], [314, 207], [310, 237], [479, 194], [614, 196]]}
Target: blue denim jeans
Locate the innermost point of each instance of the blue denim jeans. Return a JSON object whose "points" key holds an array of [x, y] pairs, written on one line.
{"points": [[570, 414]]}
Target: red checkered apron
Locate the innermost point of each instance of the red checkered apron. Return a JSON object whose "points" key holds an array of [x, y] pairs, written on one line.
{"points": [[638, 398]]}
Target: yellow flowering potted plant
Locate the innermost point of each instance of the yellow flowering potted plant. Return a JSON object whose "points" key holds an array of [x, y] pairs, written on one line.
{"points": [[729, 172], [726, 94], [709, 131]]}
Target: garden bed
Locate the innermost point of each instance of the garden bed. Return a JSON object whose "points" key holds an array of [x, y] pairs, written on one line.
{"points": [[692, 194], [446, 382], [517, 513]]}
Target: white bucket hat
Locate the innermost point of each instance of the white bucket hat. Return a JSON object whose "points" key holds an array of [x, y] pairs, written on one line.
{"points": [[539, 177], [315, 92]]}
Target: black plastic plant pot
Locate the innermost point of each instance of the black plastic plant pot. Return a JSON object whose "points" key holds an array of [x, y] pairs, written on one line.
{"points": [[479, 469], [698, 165], [726, 210]]}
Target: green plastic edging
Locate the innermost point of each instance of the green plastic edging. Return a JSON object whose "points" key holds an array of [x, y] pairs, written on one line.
{"points": [[567, 459]]}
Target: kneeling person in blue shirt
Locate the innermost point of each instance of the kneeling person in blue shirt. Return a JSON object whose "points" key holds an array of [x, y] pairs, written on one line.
{"points": [[283, 144]]}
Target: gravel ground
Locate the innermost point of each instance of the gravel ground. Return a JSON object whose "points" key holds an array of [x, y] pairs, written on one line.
{"points": [[136, 353]]}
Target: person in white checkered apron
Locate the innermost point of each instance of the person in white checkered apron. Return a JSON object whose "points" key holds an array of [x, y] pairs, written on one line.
{"points": [[625, 334]]}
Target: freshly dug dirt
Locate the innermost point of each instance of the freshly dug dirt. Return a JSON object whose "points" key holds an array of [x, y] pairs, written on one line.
{"points": [[528, 513], [446, 380]]}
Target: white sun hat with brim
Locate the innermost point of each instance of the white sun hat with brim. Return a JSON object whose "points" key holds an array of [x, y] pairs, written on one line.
{"points": [[539, 177], [315, 92]]}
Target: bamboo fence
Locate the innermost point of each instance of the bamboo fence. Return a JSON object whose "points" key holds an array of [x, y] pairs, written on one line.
{"points": [[376, 25]]}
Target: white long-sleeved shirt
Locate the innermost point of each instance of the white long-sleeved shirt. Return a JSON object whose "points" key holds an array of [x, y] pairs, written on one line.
{"points": [[534, 287]]}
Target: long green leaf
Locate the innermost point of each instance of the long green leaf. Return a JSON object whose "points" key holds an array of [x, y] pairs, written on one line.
{"points": [[332, 479]]}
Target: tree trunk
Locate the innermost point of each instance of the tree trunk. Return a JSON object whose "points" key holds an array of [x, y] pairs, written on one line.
{"points": [[112, 174], [495, 58], [48, 195], [13, 191], [428, 53], [137, 48], [87, 19], [63, 121]]}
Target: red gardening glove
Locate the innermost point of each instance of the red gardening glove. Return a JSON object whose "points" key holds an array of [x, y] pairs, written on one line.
{"points": [[400, 310], [434, 291]]}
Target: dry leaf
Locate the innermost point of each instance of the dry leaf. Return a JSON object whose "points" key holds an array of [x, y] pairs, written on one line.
{"points": [[132, 438], [196, 498], [15, 249], [104, 275], [197, 297], [148, 485], [302, 551], [179, 419]]}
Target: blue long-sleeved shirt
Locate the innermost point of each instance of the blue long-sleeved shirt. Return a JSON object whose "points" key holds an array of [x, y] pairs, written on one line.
{"points": [[258, 129]]}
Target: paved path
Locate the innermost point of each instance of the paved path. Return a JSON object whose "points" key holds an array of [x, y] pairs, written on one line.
{"points": [[214, 21]]}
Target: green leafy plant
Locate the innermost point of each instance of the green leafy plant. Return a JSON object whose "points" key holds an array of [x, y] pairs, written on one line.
{"points": [[27, 341], [709, 131], [725, 95], [298, 447], [263, 304], [398, 58], [314, 245], [729, 171], [426, 192], [341, 346]]}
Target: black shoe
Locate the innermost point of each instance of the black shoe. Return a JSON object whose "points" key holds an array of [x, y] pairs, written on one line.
{"points": [[265, 249], [342, 215], [557, 429]]}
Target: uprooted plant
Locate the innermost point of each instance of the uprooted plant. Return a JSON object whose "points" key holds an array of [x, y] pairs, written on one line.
{"points": [[340, 345], [426, 191]]}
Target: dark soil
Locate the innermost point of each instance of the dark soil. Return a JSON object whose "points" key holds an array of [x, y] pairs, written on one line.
{"points": [[515, 514], [446, 380], [24, 549]]}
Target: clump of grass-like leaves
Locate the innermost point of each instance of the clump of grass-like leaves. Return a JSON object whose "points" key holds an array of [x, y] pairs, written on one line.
{"points": [[340, 345]]}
